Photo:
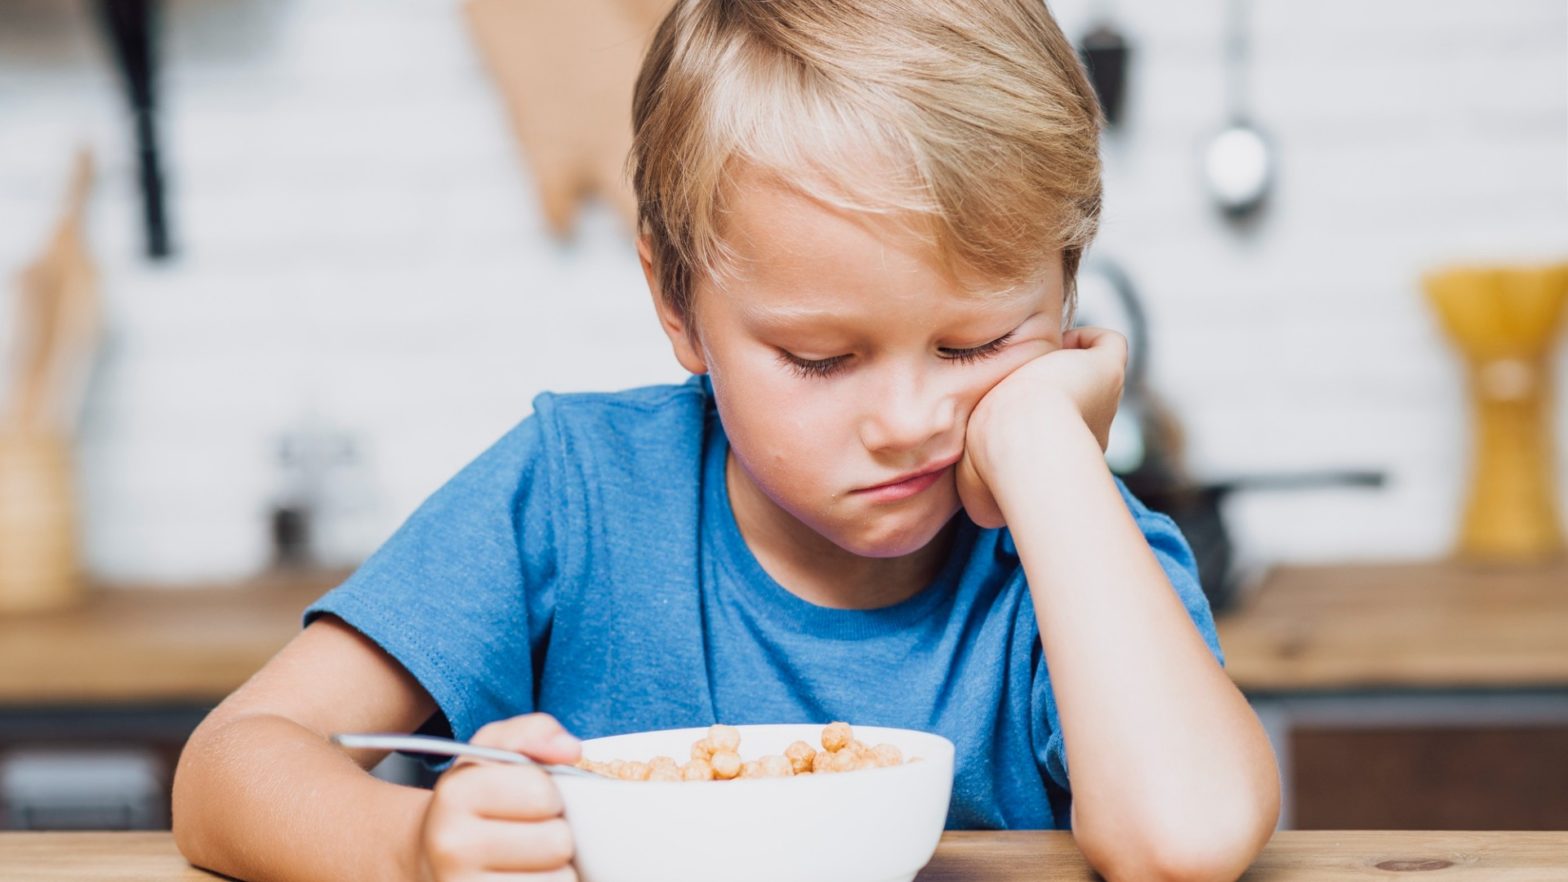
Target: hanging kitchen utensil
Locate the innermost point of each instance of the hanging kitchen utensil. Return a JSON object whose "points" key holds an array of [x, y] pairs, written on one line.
{"points": [[1238, 163], [566, 71], [1158, 475], [1106, 55], [40, 563], [58, 323], [131, 27]]}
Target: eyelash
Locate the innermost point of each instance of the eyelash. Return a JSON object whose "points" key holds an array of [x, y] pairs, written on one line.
{"points": [[828, 366]]}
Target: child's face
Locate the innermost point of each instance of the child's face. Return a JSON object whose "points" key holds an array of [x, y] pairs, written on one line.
{"points": [[842, 358]]}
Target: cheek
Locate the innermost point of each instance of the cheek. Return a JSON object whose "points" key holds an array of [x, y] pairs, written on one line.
{"points": [[775, 427], [783, 411], [984, 377]]}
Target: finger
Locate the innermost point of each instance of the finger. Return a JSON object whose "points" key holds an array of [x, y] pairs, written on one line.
{"points": [[1088, 337], [976, 497], [489, 790], [523, 847], [540, 736], [475, 848]]}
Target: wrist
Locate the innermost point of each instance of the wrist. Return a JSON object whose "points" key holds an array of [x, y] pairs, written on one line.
{"points": [[408, 857], [1017, 435], [1045, 472]]}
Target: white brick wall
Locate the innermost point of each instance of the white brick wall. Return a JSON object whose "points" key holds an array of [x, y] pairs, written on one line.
{"points": [[357, 238]]}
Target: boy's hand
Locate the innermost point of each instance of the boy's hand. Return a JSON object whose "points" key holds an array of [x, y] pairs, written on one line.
{"points": [[486, 818], [1082, 381]]}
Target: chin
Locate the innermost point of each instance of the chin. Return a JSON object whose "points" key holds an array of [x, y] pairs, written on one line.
{"points": [[890, 537]]}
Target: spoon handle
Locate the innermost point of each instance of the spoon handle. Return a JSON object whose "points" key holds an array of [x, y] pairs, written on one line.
{"points": [[430, 744]]}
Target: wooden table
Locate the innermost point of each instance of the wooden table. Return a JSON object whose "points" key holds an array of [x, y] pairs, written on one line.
{"points": [[136, 668], [1038, 856], [1422, 695], [141, 645], [1306, 629], [1429, 625]]}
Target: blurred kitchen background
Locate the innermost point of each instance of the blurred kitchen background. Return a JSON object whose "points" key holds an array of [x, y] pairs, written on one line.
{"points": [[323, 253]]}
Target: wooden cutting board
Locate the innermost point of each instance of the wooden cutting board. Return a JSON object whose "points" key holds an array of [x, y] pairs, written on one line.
{"points": [[566, 71]]}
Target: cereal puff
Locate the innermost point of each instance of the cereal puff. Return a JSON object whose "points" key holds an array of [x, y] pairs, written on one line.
{"points": [[800, 756], [726, 765], [716, 757]]}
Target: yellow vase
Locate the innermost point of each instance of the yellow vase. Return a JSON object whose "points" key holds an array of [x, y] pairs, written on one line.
{"points": [[1504, 321]]}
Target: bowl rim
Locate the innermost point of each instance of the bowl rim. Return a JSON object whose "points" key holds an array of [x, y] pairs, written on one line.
{"points": [[943, 742]]}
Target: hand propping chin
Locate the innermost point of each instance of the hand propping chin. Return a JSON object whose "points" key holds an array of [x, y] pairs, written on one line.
{"points": [[1080, 383]]}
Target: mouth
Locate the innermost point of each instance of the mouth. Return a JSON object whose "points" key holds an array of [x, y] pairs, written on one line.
{"points": [[918, 479]]}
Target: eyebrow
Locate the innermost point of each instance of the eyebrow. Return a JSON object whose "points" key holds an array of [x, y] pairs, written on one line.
{"points": [[776, 316], [791, 315]]}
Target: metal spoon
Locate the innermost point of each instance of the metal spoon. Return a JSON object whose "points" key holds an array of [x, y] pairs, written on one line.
{"points": [[430, 744], [1239, 162]]}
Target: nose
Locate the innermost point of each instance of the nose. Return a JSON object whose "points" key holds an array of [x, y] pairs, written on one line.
{"points": [[906, 411]]}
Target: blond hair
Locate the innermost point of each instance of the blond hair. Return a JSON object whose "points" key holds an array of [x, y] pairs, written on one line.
{"points": [[969, 121]]}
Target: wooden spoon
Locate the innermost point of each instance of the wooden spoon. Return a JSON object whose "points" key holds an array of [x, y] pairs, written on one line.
{"points": [[59, 322]]}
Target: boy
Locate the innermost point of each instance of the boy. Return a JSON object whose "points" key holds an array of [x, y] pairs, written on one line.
{"points": [[860, 221]]}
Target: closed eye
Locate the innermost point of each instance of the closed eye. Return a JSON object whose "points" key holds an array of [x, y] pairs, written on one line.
{"points": [[968, 356], [826, 367], [807, 367]]}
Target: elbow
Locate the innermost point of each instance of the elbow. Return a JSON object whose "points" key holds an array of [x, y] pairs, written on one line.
{"points": [[1215, 858], [1212, 858], [1199, 844], [192, 778], [189, 843], [182, 821]]}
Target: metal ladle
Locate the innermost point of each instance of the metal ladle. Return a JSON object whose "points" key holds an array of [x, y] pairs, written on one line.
{"points": [[1238, 163]]}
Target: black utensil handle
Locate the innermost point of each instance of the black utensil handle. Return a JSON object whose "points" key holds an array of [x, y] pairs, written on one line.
{"points": [[131, 28], [1303, 480]]}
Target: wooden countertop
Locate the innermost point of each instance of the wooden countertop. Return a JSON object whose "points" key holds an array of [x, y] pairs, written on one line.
{"points": [[1038, 856], [144, 645], [1433, 625], [1430, 625]]}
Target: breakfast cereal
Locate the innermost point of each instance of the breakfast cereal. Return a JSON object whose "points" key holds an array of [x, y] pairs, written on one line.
{"points": [[716, 757]]}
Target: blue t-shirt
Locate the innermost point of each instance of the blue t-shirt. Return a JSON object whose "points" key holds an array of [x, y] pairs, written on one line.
{"points": [[588, 565]]}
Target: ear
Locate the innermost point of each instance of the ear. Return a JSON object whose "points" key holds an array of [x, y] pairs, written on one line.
{"points": [[683, 337]]}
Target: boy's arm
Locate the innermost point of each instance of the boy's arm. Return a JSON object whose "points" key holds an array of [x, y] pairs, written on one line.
{"points": [[261, 794], [1172, 774]]}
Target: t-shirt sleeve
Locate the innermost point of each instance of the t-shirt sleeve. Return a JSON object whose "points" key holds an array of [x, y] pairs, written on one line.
{"points": [[462, 593], [1181, 568]]}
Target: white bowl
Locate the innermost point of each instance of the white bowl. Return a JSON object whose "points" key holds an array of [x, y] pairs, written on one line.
{"points": [[872, 825]]}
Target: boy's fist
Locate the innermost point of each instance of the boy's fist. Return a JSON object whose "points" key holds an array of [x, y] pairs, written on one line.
{"points": [[1080, 381], [487, 818]]}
